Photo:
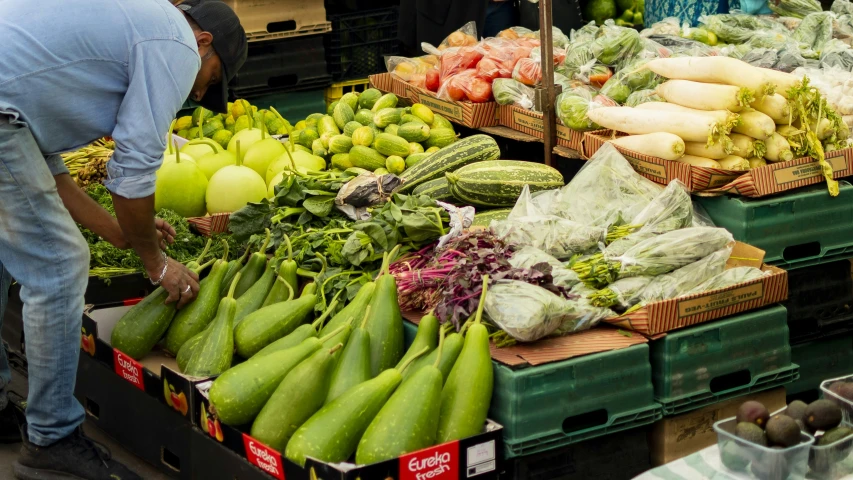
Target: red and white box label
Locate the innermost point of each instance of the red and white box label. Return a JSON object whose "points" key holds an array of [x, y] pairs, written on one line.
{"points": [[263, 457], [128, 369], [436, 463]]}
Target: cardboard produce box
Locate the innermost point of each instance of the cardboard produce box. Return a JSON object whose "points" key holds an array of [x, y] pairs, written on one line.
{"points": [[758, 182], [676, 437], [530, 122], [273, 19]]}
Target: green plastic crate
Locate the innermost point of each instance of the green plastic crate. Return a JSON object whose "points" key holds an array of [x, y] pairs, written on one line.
{"points": [[796, 229], [819, 360], [556, 404], [715, 361]]}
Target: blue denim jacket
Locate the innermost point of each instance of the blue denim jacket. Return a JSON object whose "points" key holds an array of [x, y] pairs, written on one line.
{"points": [[75, 71]]}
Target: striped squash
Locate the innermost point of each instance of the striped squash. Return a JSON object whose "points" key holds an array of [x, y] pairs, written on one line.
{"points": [[436, 189], [498, 183], [476, 148]]}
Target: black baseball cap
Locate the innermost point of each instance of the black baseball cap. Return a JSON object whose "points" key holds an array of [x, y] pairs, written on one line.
{"points": [[229, 42]]}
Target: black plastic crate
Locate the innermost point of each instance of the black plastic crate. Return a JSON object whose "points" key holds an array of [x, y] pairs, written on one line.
{"points": [[288, 65], [587, 460], [359, 42], [820, 301]]}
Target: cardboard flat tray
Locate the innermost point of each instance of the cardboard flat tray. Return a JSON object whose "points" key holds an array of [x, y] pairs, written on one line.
{"points": [[767, 180], [474, 115], [530, 122], [274, 19], [210, 224]]}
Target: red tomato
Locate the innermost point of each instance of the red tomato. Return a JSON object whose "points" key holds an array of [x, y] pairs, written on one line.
{"points": [[480, 90], [488, 69], [454, 90], [431, 81]]}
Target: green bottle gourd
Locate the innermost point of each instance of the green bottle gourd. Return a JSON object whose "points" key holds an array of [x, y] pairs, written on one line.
{"points": [[354, 309], [386, 322], [408, 422], [427, 336], [254, 297], [451, 346], [254, 268], [332, 434], [216, 349], [241, 391], [468, 390], [138, 330], [354, 365], [287, 274], [234, 267], [297, 336], [271, 323], [299, 396], [187, 350], [196, 316]]}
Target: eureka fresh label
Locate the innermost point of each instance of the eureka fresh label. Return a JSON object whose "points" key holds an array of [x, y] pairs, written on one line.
{"points": [[263, 457], [128, 369], [437, 463], [480, 459]]}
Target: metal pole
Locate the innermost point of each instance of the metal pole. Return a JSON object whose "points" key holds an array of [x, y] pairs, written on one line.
{"points": [[549, 122]]}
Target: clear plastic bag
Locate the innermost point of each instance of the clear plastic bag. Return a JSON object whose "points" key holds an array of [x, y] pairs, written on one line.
{"points": [[499, 59], [527, 257], [738, 28], [642, 96], [405, 68], [729, 278], [634, 76], [527, 71], [842, 7], [512, 92], [682, 280], [615, 43], [761, 57], [794, 8], [672, 250], [836, 54], [513, 33], [464, 36], [586, 33], [572, 106], [556, 236], [670, 210], [465, 85], [815, 30], [791, 57], [621, 294], [667, 26], [458, 60]]}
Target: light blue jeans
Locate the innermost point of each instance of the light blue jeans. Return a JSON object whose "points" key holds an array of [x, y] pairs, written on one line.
{"points": [[42, 249]]}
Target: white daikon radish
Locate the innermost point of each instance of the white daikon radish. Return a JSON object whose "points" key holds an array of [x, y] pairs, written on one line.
{"points": [[735, 163], [755, 124], [725, 70], [781, 81], [756, 162], [659, 144], [691, 127], [776, 107], [705, 96], [699, 161], [747, 146], [778, 149], [716, 151], [723, 117]]}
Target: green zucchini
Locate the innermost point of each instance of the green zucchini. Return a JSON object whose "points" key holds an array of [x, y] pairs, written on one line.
{"points": [[476, 148], [354, 365], [241, 391], [498, 183], [214, 353], [253, 269], [268, 324], [467, 392], [354, 309], [299, 396], [385, 323]]}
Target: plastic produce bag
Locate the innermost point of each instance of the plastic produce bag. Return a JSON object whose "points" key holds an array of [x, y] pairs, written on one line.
{"points": [[527, 257], [836, 54], [405, 68], [464, 36], [615, 43], [466, 85], [513, 33], [791, 57], [729, 278], [761, 57], [815, 30], [512, 92], [586, 33], [642, 96], [683, 280], [458, 60], [667, 26], [572, 107], [622, 294], [500, 58], [557, 236], [527, 71], [842, 7], [528, 312], [634, 76], [738, 28], [794, 8]]}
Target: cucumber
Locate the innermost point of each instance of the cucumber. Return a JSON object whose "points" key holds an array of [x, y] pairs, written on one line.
{"points": [[424, 113], [354, 365], [351, 99], [386, 116], [366, 157], [450, 348], [331, 108], [389, 100], [440, 137], [332, 434], [408, 421], [362, 136], [327, 124], [498, 183], [415, 147], [409, 118], [476, 148], [395, 164], [186, 352], [388, 144], [368, 98], [256, 294], [440, 122], [343, 114], [390, 129], [307, 137], [468, 390], [351, 127], [214, 353], [385, 323], [364, 117], [196, 316], [354, 309], [300, 395], [415, 158], [427, 337], [239, 394], [318, 148], [341, 161], [414, 132], [340, 144], [268, 324], [253, 269]]}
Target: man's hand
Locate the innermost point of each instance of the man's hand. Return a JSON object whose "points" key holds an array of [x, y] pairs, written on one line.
{"points": [[165, 232], [180, 282]]}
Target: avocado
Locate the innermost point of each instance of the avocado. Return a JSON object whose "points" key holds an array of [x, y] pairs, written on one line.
{"points": [[782, 430], [835, 435], [822, 415], [751, 433], [843, 390], [796, 410], [753, 412]]}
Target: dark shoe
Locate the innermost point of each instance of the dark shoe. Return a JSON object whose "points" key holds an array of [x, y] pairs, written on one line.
{"points": [[74, 457], [10, 427]]}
